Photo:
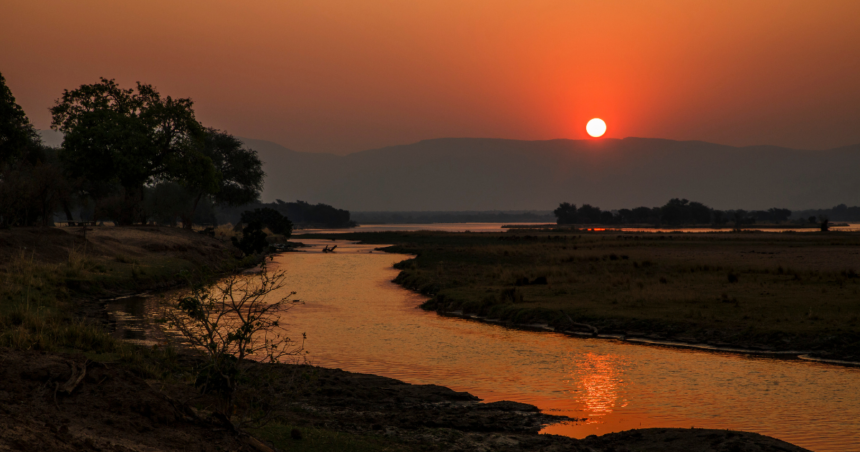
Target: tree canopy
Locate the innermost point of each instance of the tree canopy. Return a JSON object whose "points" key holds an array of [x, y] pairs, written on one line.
{"points": [[676, 212], [128, 136], [269, 218], [240, 169], [17, 135]]}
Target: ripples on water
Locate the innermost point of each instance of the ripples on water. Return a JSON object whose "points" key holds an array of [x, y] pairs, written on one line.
{"points": [[357, 320]]}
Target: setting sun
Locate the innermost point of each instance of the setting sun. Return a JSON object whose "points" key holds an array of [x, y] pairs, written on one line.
{"points": [[596, 127]]}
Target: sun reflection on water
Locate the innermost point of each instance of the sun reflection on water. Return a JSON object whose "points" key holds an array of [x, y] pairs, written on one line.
{"points": [[596, 379]]}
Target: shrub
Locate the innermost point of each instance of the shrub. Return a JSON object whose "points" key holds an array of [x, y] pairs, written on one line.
{"points": [[234, 323]]}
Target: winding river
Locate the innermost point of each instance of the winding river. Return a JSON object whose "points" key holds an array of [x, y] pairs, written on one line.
{"points": [[356, 319]]}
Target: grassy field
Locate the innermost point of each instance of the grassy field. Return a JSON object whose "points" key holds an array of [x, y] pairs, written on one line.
{"points": [[782, 291], [51, 279]]}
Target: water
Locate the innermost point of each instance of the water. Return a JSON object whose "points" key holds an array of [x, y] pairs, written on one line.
{"points": [[357, 320], [446, 227], [497, 227]]}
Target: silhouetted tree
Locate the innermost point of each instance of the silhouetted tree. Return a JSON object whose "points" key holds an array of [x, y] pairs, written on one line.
{"points": [[588, 214], [165, 202], [131, 138], [625, 216], [253, 239], [271, 219], [33, 188], [32, 185], [565, 213], [606, 217], [675, 212], [740, 218], [17, 135], [645, 215], [237, 178], [699, 213]]}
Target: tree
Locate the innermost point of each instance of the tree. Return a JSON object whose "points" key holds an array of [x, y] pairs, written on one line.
{"points": [[131, 138], [625, 216], [32, 185], [740, 218], [588, 214], [699, 213], [253, 239], [606, 217], [33, 188], [645, 215], [825, 224], [16, 133], [780, 215], [237, 178], [236, 323], [675, 212], [271, 219], [565, 213], [165, 202]]}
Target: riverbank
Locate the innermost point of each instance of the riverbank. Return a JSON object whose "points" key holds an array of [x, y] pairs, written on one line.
{"points": [[765, 292], [71, 386], [111, 408]]}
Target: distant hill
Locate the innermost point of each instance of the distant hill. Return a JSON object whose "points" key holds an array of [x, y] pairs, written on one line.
{"points": [[478, 174], [493, 174], [51, 138]]}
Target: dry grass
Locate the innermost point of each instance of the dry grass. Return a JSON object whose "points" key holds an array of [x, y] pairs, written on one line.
{"points": [[775, 289], [48, 276]]}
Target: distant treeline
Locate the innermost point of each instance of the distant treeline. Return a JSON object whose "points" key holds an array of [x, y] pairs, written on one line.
{"points": [[428, 217], [676, 212], [301, 214], [838, 213]]}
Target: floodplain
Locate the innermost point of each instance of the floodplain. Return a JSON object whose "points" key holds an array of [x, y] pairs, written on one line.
{"points": [[758, 290]]}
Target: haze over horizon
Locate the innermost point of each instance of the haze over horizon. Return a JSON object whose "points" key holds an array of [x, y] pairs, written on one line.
{"points": [[342, 77]]}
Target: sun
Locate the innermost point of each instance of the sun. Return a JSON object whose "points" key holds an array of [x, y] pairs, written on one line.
{"points": [[596, 127]]}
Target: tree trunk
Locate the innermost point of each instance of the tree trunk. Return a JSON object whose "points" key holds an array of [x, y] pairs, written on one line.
{"points": [[188, 218], [68, 212]]}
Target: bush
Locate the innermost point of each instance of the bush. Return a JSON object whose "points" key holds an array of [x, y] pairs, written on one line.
{"points": [[235, 323], [253, 239], [270, 218]]}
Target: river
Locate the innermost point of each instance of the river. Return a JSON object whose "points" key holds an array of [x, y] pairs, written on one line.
{"points": [[498, 227], [356, 319]]}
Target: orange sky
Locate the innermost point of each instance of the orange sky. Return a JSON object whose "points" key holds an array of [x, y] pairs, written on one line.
{"points": [[344, 76]]}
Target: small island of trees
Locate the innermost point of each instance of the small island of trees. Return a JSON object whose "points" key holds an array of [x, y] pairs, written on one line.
{"points": [[681, 212]]}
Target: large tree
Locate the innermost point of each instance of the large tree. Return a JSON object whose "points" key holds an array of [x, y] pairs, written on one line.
{"points": [[237, 178], [565, 213], [17, 135], [127, 136]]}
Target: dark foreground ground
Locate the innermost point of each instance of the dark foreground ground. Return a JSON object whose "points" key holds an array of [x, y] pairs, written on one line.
{"points": [[112, 409]]}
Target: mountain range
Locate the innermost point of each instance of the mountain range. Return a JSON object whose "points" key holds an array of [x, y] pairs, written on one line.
{"points": [[454, 174], [497, 174]]}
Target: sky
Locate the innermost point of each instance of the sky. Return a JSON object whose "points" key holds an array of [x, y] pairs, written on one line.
{"points": [[345, 76]]}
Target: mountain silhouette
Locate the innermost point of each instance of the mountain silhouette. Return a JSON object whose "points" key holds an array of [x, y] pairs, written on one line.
{"points": [[497, 174]]}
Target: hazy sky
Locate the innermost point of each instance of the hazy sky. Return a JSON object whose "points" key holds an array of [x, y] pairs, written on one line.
{"points": [[344, 76]]}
